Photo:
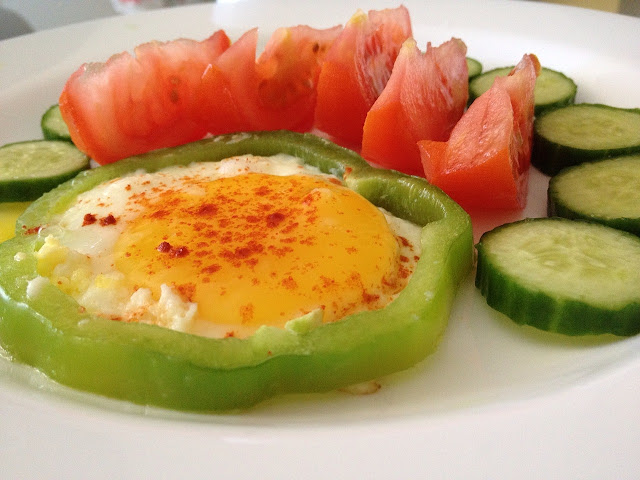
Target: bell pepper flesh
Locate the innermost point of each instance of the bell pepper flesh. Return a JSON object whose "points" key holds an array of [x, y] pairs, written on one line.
{"points": [[151, 365]]}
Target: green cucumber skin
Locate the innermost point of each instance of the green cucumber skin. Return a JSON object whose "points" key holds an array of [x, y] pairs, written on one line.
{"points": [[52, 125], [526, 306], [556, 209], [20, 191], [550, 157], [475, 68], [536, 309], [26, 189]]}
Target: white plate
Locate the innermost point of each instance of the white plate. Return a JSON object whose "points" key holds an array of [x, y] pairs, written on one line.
{"points": [[495, 401]]}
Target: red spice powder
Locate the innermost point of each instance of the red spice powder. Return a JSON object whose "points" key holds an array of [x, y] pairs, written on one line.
{"points": [[275, 219], [108, 220], [186, 290], [89, 219], [174, 252], [164, 247], [32, 230], [211, 268], [246, 312]]}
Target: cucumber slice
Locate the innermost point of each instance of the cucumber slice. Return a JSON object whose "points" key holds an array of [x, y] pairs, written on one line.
{"points": [[606, 191], [561, 275], [29, 169], [583, 132], [53, 126], [474, 67], [553, 89]]}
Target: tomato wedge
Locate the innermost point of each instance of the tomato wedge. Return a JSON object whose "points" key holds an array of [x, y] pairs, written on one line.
{"points": [[172, 93], [485, 162], [278, 90], [424, 98], [356, 70], [132, 104]]}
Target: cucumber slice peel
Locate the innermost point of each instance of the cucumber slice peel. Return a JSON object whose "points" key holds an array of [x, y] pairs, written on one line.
{"points": [[583, 132], [53, 126], [553, 89], [474, 67], [29, 169], [561, 275], [606, 191]]}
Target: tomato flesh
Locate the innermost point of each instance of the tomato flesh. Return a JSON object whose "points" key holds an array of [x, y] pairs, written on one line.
{"points": [[278, 90], [424, 98], [130, 104], [485, 162], [356, 70], [176, 92]]}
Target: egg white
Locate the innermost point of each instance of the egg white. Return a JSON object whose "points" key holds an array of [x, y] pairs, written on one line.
{"points": [[79, 257]]}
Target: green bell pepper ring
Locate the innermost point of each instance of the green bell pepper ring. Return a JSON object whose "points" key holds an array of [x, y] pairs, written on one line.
{"points": [[151, 365]]}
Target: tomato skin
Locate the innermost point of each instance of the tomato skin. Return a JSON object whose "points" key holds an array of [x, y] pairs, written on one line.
{"points": [[424, 98], [485, 162], [356, 69]]}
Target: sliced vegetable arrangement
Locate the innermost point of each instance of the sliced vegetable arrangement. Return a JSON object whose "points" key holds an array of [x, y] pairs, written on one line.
{"points": [[367, 86]]}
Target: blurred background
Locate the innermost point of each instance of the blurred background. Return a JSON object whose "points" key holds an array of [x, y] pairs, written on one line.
{"points": [[18, 17]]}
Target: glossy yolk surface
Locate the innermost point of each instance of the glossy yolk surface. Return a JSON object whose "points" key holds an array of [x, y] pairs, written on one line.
{"points": [[259, 249]]}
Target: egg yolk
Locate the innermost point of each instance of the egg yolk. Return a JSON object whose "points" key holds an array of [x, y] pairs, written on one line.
{"points": [[259, 249]]}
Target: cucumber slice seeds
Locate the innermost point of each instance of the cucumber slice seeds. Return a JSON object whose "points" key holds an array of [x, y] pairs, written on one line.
{"points": [[561, 275]]}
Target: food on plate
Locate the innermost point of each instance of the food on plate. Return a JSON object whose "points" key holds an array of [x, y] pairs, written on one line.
{"points": [[151, 99], [356, 70], [30, 168], [583, 132], [474, 67], [553, 89], [279, 89], [9, 213], [170, 93], [53, 126], [485, 162], [220, 240], [423, 100], [562, 275], [231, 268], [604, 191], [83, 248]]}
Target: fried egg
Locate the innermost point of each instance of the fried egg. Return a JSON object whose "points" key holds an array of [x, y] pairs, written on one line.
{"points": [[223, 248]]}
